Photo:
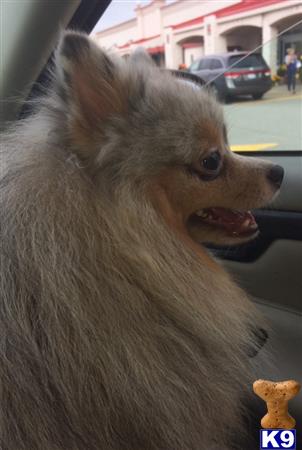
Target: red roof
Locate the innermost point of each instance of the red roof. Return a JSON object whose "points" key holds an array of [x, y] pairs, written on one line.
{"points": [[158, 49], [245, 5], [139, 41]]}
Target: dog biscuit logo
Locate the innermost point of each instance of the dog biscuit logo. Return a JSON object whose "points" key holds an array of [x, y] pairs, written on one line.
{"points": [[270, 439], [277, 423]]}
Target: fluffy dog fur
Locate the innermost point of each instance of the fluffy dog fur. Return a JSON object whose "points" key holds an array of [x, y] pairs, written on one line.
{"points": [[118, 331]]}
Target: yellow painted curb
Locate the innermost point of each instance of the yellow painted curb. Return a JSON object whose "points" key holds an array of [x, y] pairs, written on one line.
{"points": [[280, 99], [264, 101], [252, 147]]}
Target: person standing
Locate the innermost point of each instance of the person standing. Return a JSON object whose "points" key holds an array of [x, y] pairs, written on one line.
{"points": [[291, 64]]}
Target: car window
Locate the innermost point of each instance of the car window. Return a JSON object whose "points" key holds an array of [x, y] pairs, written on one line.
{"points": [[262, 100], [244, 61], [215, 64], [194, 65], [269, 119], [205, 64]]}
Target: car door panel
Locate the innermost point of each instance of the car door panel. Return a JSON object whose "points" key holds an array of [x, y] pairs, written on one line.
{"points": [[270, 267], [273, 278]]}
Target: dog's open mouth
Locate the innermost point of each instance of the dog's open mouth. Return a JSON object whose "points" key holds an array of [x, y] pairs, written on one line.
{"points": [[233, 222]]}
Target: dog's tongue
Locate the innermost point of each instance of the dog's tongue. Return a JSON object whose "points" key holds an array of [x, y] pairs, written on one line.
{"points": [[235, 222]]}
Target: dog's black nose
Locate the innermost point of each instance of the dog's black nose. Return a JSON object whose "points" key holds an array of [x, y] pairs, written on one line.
{"points": [[275, 175]]}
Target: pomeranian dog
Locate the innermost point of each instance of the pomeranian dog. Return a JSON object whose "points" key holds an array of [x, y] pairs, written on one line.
{"points": [[118, 330]]}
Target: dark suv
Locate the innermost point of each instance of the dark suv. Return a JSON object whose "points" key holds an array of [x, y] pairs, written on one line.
{"points": [[229, 75]]}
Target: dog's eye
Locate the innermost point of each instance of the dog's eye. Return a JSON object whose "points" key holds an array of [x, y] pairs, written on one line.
{"points": [[208, 167], [211, 163]]}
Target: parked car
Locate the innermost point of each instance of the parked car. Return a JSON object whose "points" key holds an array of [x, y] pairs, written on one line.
{"points": [[235, 73]]}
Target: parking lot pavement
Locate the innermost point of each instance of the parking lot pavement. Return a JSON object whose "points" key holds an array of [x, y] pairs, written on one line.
{"points": [[278, 92], [272, 123]]}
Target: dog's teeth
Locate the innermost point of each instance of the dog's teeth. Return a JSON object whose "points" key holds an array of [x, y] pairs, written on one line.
{"points": [[202, 214]]}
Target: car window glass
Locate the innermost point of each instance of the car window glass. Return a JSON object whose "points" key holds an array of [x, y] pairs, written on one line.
{"points": [[260, 81], [204, 64], [194, 65], [215, 64], [254, 60]]}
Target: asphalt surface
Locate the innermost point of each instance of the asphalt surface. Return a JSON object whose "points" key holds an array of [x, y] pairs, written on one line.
{"points": [[272, 123]]}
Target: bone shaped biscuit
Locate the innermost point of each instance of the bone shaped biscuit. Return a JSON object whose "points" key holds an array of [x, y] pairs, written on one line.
{"points": [[276, 395]]}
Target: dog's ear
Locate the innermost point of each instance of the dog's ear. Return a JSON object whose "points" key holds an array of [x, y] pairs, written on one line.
{"points": [[88, 83], [141, 57]]}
